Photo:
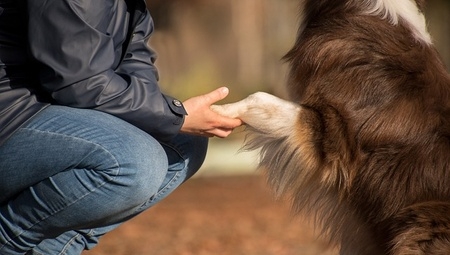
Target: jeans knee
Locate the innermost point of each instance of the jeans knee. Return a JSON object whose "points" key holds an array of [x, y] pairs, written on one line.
{"points": [[142, 171]]}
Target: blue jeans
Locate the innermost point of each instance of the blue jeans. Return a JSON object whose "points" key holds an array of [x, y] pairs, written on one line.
{"points": [[69, 176]]}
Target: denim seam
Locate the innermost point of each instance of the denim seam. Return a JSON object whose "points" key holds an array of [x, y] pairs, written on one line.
{"points": [[169, 185], [67, 245], [163, 191]]}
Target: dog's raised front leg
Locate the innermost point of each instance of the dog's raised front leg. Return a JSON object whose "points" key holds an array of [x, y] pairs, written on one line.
{"points": [[264, 112]]}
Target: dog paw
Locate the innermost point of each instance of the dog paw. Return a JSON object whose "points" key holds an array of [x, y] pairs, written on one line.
{"points": [[262, 111]]}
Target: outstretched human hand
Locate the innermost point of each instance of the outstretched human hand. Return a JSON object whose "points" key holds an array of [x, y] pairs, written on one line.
{"points": [[201, 120]]}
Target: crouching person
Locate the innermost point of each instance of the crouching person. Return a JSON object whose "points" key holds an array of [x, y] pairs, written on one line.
{"points": [[87, 139]]}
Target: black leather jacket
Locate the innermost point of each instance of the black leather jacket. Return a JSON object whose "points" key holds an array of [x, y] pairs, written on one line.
{"points": [[68, 52]]}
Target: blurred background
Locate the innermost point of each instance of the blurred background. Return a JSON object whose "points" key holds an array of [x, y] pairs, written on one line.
{"points": [[228, 209], [204, 44]]}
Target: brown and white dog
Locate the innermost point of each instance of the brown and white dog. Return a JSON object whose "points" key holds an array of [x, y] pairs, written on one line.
{"points": [[363, 144]]}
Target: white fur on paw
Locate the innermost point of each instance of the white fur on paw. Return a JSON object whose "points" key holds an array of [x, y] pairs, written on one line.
{"points": [[262, 111]]}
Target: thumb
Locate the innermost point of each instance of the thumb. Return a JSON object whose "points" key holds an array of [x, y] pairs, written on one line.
{"points": [[216, 95]]}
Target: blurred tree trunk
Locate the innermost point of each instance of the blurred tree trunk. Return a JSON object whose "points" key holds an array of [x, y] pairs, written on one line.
{"points": [[247, 27], [239, 43], [438, 16]]}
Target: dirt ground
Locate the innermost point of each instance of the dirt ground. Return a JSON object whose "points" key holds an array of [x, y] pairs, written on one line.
{"points": [[228, 215]]}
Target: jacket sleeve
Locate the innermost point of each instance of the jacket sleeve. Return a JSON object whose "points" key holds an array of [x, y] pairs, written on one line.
{"points": [[78, 45]]}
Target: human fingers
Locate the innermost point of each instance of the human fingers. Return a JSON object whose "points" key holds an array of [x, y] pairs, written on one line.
{"points": [[226, 123], [220, 132], [216, 95], [213, 132]]}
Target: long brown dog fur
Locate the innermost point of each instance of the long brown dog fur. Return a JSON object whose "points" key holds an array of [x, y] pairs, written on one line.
{"points": [[365, 149]]}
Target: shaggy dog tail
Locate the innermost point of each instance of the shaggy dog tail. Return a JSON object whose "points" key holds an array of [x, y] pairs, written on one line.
{"points": [[422, 228]]}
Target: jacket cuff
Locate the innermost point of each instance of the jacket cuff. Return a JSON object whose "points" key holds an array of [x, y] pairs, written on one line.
{"points": [[177, 108]]}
